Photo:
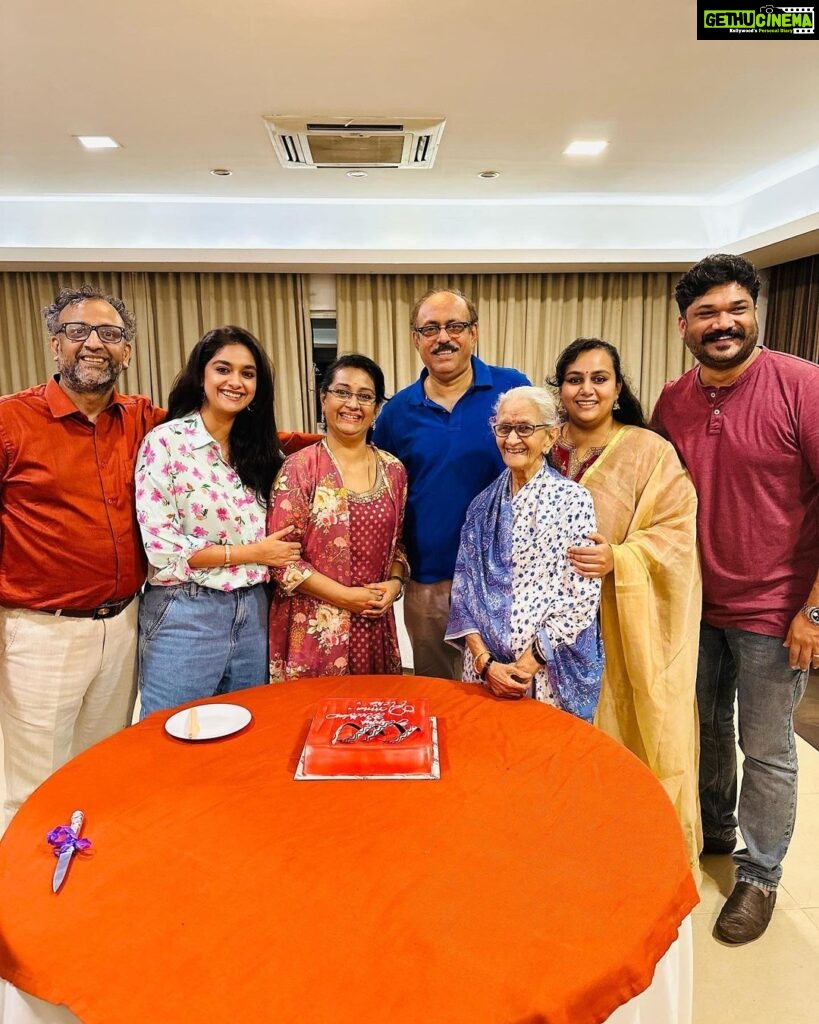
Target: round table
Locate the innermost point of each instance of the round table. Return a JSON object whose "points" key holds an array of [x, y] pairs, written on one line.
{"points": [[541, 878]]}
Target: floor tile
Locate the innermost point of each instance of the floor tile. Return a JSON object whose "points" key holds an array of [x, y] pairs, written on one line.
{"points": [[808, 767], [775, 979], [801, 871]]}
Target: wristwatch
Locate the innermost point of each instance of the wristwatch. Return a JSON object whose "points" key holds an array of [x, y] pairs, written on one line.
{"points": [[812, 612]]}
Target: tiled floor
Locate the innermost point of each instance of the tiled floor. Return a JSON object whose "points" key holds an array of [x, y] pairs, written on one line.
{"points": [[776, 979]]}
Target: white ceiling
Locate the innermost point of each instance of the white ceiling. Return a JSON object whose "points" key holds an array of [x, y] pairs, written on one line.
{"points": [[712, 144]]}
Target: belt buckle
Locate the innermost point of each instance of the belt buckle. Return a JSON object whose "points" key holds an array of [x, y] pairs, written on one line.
{"points": [[102, 612]]}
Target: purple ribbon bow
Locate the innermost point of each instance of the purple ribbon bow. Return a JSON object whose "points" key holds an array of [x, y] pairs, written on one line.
{"points": [[63, 837]]}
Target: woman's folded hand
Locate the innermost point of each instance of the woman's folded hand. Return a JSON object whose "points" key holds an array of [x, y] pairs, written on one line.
{"points": [[387, 592], [507, 681], [361, 600]]}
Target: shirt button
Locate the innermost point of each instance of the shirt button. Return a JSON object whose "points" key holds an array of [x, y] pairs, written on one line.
{"points": [[112, 501], [716, 412], [713, 394]]}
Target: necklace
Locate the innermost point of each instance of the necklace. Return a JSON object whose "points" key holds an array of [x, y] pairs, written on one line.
{"points": [[578, 457]]}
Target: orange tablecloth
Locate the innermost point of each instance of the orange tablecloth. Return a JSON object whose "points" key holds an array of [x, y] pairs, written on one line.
{"points": [[540, 879]]}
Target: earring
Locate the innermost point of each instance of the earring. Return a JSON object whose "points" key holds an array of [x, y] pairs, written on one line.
{"points": [[616, 404], [251, 406]]}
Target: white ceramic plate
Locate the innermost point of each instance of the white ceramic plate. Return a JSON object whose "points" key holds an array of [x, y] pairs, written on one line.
{"points": [[214, 720]]}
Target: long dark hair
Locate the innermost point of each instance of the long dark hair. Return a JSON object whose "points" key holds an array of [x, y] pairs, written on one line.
{"points": [[254, 444], [630, 411]]}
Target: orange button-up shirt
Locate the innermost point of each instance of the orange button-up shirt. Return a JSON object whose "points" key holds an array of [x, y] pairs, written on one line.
{"points": [[68, 531]]}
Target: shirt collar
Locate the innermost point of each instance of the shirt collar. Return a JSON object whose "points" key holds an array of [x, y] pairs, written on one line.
{"points": [[60, 405], [200, 437], [481, 378], [747, 374]]}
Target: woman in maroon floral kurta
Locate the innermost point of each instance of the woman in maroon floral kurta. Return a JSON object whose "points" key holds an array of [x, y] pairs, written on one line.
{"points": [[331, 612]]}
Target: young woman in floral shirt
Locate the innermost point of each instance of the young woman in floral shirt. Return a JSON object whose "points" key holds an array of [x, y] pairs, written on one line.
{"points": [[202, 483]]}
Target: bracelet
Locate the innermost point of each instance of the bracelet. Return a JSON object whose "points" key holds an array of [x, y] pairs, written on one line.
{"points": [[227, 554], [403, 583], [482, 673], [480, 654]]}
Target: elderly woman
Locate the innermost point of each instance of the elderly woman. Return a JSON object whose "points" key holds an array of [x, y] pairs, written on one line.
{"points": [[525, 616]]}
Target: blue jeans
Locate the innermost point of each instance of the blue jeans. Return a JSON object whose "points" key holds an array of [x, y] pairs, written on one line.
{"points": [[753, 670], [195, 642]]}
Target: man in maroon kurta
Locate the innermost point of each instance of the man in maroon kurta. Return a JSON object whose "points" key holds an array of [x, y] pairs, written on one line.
{"points": [[745, 421]]}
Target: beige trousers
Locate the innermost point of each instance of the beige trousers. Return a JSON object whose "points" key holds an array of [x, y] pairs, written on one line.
{"points": [[65, 684], [426, 610]]}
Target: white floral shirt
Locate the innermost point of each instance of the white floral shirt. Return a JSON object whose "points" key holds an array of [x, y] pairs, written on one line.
{"points": [[187, 498]]}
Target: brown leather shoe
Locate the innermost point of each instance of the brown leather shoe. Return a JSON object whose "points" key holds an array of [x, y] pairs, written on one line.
{"points": [[746, 914]]}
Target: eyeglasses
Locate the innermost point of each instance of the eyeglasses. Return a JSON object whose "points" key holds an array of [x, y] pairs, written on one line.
{"points": [[110, 334], [454, 329], [521, 429], [343, 395]]}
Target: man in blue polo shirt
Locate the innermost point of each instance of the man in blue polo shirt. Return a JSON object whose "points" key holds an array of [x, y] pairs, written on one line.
{"points": [[439, 428]]}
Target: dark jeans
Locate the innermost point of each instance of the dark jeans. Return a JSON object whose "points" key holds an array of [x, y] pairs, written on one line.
{"points": [[753, 670]]}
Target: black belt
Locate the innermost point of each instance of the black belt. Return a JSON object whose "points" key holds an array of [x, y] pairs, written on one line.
{"points": [[103, 611]]}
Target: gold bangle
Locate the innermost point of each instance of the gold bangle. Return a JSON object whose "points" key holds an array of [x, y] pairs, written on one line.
{"points": [[480, 654], [227, 554]]}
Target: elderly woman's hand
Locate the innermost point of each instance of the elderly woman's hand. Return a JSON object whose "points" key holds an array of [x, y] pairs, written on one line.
{"points": [[507, 681], [594, 560]]}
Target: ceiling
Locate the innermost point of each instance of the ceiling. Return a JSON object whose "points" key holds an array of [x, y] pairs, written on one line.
{"points": [[713, 145]]}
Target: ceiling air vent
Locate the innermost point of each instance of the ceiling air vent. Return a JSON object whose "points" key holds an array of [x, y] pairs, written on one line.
{"points": [[355, 141]]}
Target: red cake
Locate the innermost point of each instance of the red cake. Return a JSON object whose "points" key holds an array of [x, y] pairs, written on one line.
{"points": [[369, 737]]}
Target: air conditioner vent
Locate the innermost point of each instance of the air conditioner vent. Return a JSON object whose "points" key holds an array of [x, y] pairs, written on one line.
{"points": [[349, 142], [338, 126]]}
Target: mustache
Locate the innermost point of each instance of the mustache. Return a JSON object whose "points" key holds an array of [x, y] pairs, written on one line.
{"points": [[445, 346], [735, 332]]}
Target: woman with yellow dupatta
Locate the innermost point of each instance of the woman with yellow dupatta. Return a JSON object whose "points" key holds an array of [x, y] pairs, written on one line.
{"points": [[645, 552]]}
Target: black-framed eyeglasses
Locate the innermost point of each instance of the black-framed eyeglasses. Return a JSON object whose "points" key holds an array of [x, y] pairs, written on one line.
{"points": [[345, 395], [110, 334], [521, 429], [454, 329]]}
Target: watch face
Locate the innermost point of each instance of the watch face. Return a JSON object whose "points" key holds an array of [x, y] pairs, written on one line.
{"points": [[813, 615]]}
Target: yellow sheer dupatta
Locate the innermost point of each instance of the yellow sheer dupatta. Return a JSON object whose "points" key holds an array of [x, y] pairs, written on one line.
{"points": [[650, 613]]}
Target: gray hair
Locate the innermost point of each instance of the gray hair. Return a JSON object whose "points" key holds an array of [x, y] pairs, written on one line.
{"points": [[72, 296], [542, 399]]}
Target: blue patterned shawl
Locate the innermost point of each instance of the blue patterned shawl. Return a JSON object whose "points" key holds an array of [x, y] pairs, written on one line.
{"points": [[482, 597]]}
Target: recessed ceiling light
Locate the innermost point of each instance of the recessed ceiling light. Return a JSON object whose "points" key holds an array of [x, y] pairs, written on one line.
{"points": [[489, 174], [356, 174], [585, 148], [97, 141], [221, 172]]}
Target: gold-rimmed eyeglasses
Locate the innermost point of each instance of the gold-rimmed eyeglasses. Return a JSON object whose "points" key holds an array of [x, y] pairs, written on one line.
{"points": [[345, 396], [454, 329]]}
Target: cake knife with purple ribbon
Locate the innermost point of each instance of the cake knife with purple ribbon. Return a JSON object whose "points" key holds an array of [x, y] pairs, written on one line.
{"points": [[66, 841]]}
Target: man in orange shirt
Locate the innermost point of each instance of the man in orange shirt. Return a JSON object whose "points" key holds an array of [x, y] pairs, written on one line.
{"points": [[71, 560]]}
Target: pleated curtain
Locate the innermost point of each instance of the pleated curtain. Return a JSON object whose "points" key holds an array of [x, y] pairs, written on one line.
{"points": [[173, 310], [525, 321]]}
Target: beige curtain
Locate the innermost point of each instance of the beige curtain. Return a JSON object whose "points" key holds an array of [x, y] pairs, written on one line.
{"points": [[173, 311], [525, 321]]}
